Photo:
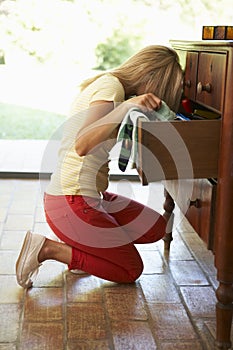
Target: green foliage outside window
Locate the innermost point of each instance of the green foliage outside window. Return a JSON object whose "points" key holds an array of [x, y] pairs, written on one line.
{"points": [[115, 50]]}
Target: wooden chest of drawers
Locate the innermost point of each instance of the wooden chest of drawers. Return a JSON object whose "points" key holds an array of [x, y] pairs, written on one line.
{"points": [[208, 84], [204, 85]]}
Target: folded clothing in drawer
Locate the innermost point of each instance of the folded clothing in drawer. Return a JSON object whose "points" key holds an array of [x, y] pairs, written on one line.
{"points": [[128, 131]]}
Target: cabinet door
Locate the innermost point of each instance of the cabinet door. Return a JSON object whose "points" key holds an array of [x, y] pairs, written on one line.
{"points": [[207, 212], [211, 80], [190, 79], [194, 205], [196, 200]]}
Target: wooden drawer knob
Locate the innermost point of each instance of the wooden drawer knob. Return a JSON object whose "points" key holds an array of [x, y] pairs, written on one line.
{"points": [[187, 83], [196, 203], [200, 87]]}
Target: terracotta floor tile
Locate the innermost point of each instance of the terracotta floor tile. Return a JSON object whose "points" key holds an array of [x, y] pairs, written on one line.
{"points": [[3, 214], [159, 289], [178, 250], [42, 228], [44, 304], [10, 291], [213, 281], [125, 303], [83, 288], [206, 261], [86, 321], [7, 185], [132, 335], [7, 346], [181, 273], [200, 301], [146, 247], [26, 187], [194, 345], [50, 275], [5, 200], [210, 325], [12, 240], [23, 206], [199, 251], [40, 214], [18, 222], [153, 262], [7, 262], [89, 345], [167, 321], [42, 336], [205, 333], [9, 325]]}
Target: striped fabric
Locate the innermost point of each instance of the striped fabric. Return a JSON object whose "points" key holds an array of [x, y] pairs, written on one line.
{"points": [[126, 137], [127, 134], [85, 175]]}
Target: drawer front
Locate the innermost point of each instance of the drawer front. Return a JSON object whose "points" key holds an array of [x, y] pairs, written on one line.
{"points": [[211, 80], [196, 200], [190, 79], [178, 150]]}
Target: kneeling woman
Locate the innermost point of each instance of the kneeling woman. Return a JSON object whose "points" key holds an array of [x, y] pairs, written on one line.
{"points": [[98, 230]]}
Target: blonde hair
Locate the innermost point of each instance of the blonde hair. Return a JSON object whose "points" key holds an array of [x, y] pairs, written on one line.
{"points": [[156, 68]]}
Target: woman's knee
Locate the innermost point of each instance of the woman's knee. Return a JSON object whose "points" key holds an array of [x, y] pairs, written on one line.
{"points": [[135, 273], [158, 230]]}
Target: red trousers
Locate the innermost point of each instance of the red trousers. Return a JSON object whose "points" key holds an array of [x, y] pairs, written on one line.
{"points": [[103, 233]]}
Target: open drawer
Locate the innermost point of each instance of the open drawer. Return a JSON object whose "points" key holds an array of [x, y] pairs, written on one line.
{"points": [[178, 149]]}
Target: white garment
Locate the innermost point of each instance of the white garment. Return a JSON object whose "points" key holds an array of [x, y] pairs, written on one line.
{"points": [[129, 138]]}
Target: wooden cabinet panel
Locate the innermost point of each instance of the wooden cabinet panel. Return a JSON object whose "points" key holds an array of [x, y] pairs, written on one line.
{"points": [[201, 211], [190, 79], [196, 200], [211, 80], [194, 206], [207, 212]]}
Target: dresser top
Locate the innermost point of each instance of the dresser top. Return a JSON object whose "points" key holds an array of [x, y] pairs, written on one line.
{"points": [[202, 43]]}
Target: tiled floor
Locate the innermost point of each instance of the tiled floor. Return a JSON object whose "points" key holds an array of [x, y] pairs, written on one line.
{"points": [[171, 306]]}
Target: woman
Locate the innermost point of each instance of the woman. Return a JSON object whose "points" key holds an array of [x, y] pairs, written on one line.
{"points": [[98, 230]]}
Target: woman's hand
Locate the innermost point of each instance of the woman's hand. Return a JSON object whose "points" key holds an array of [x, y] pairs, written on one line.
{"points": [[146, 101]]}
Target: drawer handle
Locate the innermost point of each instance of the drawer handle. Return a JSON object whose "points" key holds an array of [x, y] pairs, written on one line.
{"points": [[196, 203], [207, 87], [188, 83]]}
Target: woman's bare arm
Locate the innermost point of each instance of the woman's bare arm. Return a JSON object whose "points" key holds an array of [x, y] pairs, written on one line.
{"points": [[102, 119]]}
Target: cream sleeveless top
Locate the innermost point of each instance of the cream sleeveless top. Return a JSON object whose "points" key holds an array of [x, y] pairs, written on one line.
{"points": [[84, 175]]}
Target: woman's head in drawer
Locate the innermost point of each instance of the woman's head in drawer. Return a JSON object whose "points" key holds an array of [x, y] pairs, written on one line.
{"points": [[153, 69]]}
